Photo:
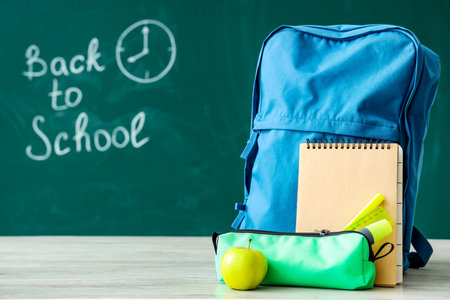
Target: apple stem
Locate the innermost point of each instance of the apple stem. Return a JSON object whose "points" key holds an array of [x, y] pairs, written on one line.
{"points": [[249, 241]]}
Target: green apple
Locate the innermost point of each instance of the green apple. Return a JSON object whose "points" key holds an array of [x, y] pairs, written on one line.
{"points": [[243, 268]]}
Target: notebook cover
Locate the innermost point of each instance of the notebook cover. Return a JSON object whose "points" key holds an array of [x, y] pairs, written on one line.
{"points": [[335, 184]]}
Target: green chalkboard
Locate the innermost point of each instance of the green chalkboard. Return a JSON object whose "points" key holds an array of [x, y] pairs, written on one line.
{"points": [[128, 117]]}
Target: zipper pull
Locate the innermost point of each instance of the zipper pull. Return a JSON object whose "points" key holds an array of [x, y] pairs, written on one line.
{"points": [[322, 232]]}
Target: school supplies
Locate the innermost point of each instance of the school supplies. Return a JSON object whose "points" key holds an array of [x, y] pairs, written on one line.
{"points": [[341, 81], [340, 260], [377, 231], [370, 207], [335, 180], [376, 215]]}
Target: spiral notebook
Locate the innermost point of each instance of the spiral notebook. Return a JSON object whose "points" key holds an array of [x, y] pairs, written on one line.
{"points": [[337, 179]]}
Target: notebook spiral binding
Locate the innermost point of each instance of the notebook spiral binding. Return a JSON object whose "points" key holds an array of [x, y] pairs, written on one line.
{"points": [[349, 144]]}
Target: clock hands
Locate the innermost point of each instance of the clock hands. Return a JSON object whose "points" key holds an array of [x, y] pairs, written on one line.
{"points": [[145, 50]]}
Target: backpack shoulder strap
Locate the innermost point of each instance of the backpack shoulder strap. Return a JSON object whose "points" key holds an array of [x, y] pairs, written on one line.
{"points": [[424, 250]]}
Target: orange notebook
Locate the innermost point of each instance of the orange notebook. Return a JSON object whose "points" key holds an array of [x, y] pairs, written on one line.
{"points": [[336, 181]]}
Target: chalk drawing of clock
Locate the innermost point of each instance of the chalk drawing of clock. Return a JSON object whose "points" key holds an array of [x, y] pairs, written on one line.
{"points": [[146, 51]]}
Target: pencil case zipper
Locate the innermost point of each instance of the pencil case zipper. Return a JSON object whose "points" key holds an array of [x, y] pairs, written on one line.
{"points": [[319, 233]]}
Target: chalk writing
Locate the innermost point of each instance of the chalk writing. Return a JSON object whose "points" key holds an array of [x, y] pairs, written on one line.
{"points": [[55, 93], [82, 137], [58, 65]]}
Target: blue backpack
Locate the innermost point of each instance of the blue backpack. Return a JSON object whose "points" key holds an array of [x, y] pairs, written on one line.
{"points": [[329, 82]]}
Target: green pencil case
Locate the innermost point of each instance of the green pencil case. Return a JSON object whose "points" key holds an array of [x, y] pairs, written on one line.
{"points": [[341, 260]]}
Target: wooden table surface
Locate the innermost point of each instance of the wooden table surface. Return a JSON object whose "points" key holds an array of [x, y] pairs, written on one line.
{"points": [[166, 267]]}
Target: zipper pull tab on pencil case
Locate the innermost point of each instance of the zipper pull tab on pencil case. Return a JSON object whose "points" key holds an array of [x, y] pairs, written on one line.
{"points": [[340, 260]]}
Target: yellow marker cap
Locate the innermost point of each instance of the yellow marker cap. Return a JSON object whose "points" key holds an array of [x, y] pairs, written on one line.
{"points": [[377, 231]]}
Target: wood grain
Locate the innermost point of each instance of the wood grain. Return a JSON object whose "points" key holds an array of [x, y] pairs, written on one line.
{"points": [[165, 267]]}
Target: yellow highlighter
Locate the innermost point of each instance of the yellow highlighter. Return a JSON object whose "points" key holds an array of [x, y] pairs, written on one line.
{"points": [[371, 206], [377, 231]]}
